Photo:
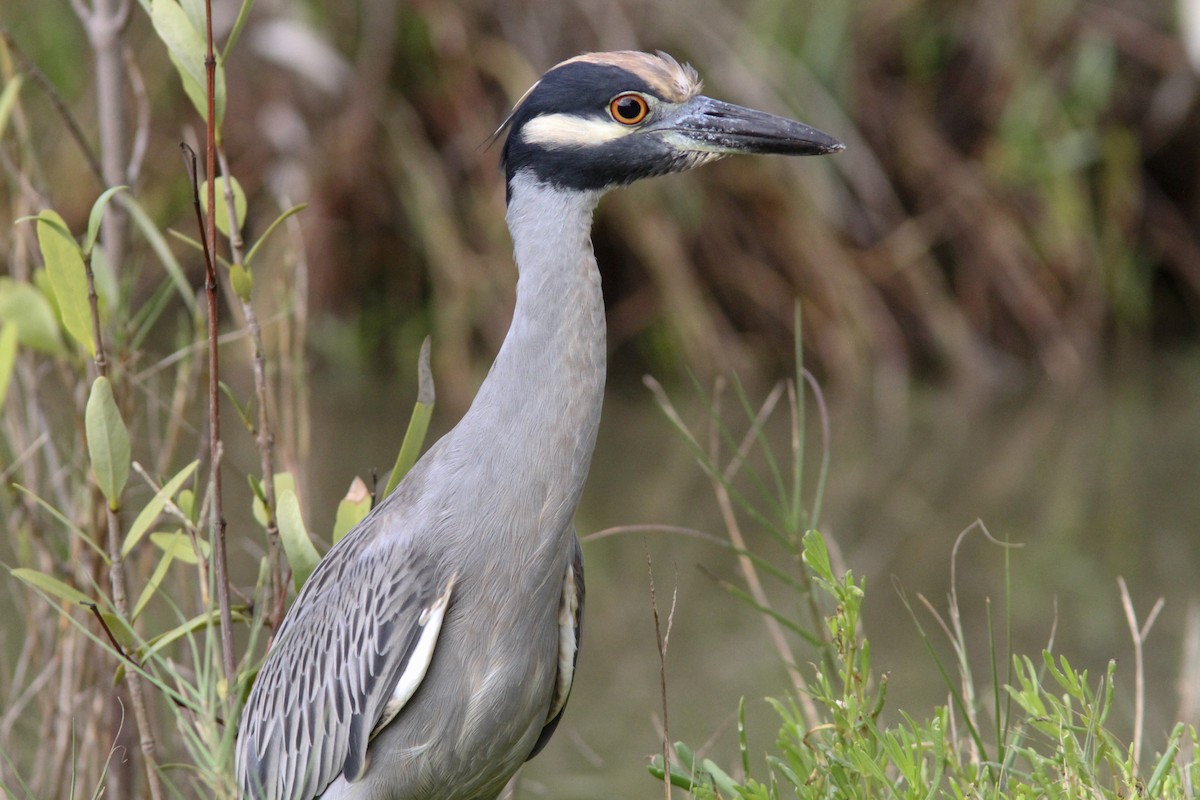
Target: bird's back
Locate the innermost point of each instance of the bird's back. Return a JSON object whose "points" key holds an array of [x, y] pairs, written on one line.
{"points": [[479, 709]]}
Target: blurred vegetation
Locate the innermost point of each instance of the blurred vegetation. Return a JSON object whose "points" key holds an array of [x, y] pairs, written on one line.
{"points": [[1018, 188], [1017, 197]]}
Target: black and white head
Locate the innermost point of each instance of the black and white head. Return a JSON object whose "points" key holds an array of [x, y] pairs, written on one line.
{"points": [[607, 119]]}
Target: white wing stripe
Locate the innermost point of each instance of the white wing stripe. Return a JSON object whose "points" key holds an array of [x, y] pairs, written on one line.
{"points": [[418, 664], [568, 620]]}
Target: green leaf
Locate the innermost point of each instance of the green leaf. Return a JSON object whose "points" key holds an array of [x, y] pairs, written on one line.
{"points": [[187, 504], [97, 215], [192, 625], [23, 305], [8, 99], [301, 555], [242, 412], [51, 586], [156, 579], [105, 281], [284, 482], [239, 203], [41, 282], [107, 440], [120, 630], [240, 23], [816, 556], [178, 545], [418, 423], [725, 784], [8, 358], [158, 244], [195, 13], [296, 209], [68, 279], [242, 281], [148, 515], [198, 246], [186, 46], [352, 509]]}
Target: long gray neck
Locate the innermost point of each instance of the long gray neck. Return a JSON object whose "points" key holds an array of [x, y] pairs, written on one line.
{"points": [[539, 407]]}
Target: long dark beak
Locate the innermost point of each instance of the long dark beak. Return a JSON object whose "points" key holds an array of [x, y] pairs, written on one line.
{"points": [[717, 127]]}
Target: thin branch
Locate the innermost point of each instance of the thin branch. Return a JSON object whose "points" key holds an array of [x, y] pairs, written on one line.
{"points": [[1139, 634], [661, 640], [619, 530], [60, 106], [264, 438], [214, 392], [217, 517], [112, 640], [127, 656], [100, 360], [754, 584]]}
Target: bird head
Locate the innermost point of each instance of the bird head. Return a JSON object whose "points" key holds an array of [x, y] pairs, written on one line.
{"points": [[602, 120]]}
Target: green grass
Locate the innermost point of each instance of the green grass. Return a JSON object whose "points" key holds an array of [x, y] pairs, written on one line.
{"points": [[1014, 725], [1050, 737]]}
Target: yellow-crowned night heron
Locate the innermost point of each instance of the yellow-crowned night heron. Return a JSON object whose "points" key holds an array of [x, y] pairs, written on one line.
{"points": [[432, 651]]}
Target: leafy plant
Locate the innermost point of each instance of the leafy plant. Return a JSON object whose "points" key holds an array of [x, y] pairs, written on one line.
{"points": [[1050, 736], [116, 524]]}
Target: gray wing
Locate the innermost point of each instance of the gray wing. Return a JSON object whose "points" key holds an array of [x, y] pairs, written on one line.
{"points": [[352, 650], [570, 631]]}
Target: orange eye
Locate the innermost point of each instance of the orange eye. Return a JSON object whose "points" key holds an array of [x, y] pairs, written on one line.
{"points": [[629, 108]]}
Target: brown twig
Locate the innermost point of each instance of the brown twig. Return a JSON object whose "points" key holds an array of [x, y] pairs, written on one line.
{"points": [[100, 360], [214, 391], [112, 640], [217, 516], [264, 438], [661, 640], [126, 655]]}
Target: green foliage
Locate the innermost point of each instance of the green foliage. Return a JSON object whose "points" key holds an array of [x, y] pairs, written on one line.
{"points": [[146, 617], [8, 101], [158, 244], [108, 441], [418, 423], [95, 218], [351, 510], [8, 358], [1053, 740], [24, 306], [1057, 746], [302, 556], [50, 585], [153, 509], [183, 35], [67, 277]]}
